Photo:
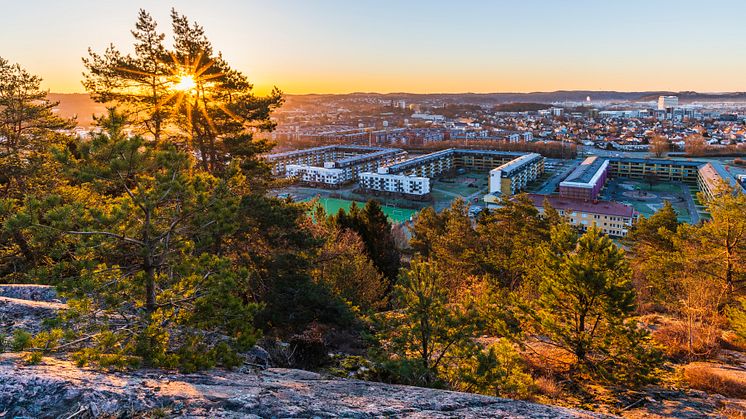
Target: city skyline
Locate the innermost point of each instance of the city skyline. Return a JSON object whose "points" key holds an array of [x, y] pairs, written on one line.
{"points": [[417, 47]]}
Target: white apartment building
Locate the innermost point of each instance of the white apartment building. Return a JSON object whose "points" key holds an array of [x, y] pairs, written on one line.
{"points": [[317, 175], [397, 184], [333, 165]]}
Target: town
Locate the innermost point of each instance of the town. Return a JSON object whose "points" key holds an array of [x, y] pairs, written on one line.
{"points": [[598, 163]]}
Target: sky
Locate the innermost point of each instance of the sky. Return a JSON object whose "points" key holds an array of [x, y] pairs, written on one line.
{"points": [[336, 46]]}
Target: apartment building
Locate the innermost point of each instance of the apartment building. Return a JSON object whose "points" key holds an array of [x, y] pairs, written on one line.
{"points": [[587, 180], [513, 176], [612, 218], [663, 169], [412, 177], [409, 186], [333, 165]]}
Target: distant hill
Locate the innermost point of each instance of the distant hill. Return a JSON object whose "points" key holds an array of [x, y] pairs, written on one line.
{"points": [[520, 107], [77, 104], [81, 105], [492, 99]]}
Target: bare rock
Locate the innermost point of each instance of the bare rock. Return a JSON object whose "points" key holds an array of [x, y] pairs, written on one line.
{"points": [[258, 356], [32, 292], [26, 315], [56, 388]]}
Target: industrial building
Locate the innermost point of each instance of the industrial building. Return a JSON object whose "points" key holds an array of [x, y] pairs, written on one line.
{"points": [[586, 181]]}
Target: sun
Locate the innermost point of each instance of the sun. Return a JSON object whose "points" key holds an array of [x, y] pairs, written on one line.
{"points": [[186, 82]]}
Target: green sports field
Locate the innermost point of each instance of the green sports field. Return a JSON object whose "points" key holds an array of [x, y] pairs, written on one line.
{"points": [[396, 215]]}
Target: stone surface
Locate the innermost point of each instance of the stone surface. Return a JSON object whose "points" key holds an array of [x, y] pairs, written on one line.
{"points": [[30, 292], [57, 388], [24, 314]]}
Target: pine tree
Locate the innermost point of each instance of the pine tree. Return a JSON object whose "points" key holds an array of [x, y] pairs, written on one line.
{"points": [[428, 336], [374, 229], [28, 128], [140, 83], [510, 236], [28, 132], [344, 266], [722, 241], [428, 226], [139, 263], [214, 114], [654, 257], [586, 306]]}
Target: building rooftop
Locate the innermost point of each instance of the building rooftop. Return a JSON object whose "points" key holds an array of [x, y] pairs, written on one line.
{"points": [[367, 156], [508, 168], [599, 207], [587, 170], [680, 162], [725, 175], [452, 152], [354, 148]]}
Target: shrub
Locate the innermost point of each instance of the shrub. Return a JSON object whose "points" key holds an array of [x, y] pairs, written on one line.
{"points": [[499, 370], [712, 379], [548, 386], [677, 342], [21, 340], [308, 349]]}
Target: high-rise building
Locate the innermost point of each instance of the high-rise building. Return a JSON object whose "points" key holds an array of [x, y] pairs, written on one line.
{"points": [[667, 102]]}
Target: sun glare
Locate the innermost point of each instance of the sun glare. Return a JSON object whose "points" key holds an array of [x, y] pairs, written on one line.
{"points": [[185, 83]]}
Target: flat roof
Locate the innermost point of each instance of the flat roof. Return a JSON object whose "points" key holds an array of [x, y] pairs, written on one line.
{"points": [[586, 171], [516, 164], [656, 161], [368, 156], [357, 148], [598, 207], [714, 172]]}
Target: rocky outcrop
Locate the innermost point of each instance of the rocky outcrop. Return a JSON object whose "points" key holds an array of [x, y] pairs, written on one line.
{"points": [[25, 315], [57, 388], [30, 292]]}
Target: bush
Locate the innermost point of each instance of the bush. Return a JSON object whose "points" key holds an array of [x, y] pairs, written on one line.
{"points": [[21, 340], [499, 371], [712, 379], [548, 386], [308, 349], [674, 340]]}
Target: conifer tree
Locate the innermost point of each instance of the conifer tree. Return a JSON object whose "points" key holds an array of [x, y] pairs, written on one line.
{"points": [[586, 306], [144, 287], [429, 335], [29, 130]]}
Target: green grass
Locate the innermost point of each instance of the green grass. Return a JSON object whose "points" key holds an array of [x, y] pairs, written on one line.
{"points": [[396, 215]]}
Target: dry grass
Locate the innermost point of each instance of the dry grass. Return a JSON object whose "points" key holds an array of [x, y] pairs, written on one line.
{"points": [[548, 387], [673, 338], [729, 340], [547, 359], [725, 380]]}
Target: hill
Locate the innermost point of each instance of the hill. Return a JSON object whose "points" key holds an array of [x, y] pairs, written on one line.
{"points": [[77, 105]]}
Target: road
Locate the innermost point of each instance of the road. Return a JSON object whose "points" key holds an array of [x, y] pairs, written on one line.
{"points": [[690, 205], [550, 186]]}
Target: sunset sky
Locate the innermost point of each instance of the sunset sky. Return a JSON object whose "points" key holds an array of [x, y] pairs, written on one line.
{"points": [[329, 46]]}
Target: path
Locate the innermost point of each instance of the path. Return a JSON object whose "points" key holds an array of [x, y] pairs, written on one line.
{"points": [[691, 205]]}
